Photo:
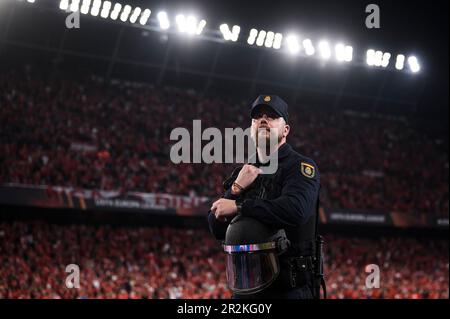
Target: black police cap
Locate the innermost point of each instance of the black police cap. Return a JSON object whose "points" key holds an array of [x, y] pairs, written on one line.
{"points": [[274, 102]]}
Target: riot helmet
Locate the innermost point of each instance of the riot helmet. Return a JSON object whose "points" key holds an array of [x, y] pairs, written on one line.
{"points": [[252, 250]]}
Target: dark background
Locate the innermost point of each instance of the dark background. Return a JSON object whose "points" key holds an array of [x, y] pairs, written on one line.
{"points": [[35, 34]]}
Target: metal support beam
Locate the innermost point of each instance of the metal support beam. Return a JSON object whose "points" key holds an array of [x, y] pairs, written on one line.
{"points": [[113, 59], [212, 70], [257, 72], [164, 65]]}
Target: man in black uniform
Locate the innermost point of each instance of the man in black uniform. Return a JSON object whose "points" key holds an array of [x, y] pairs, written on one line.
{"points": [[285, 200]]}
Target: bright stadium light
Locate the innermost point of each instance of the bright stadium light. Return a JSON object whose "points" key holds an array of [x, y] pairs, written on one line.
{"points": [[191, 25], [370, 57], [277, 41], [385, 59], [135, 15], [309, 48], [252, 36], [339, 50], [378, 58], [343, 52], [324, 49], [201, 25], [105, 10], [30, 1], [75, 5], [348, 53], [115, 12], [230, 35], [64, 5], [292, 44], [225, 30], [125, 13], [269, 39], [85, 6], [95, 10], [235, 33], [163, 20], [400, 62], [145, 16], [181, 22], [261, 37], [413, 64]]}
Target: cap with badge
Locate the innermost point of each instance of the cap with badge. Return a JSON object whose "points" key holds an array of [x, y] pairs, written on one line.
{"points": [[274, 102]]}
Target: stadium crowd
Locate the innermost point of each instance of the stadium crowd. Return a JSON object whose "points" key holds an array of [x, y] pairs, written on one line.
{"points": [[116, 135], [145, 262]]}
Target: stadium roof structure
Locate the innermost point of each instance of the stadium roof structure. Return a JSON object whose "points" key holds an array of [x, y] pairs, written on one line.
{"points": [[137, 45]]}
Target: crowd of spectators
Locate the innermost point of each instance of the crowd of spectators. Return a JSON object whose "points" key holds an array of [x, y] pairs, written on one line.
{"points": [[114, 135], [148, 262]]}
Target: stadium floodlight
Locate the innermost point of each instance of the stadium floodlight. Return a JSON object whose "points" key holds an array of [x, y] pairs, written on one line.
{"points": [[292, 44], [95, 10], [125, 13], [269, 39], [413, 64], [135, 15], [75, 5], [370, 57], [343, 52], [400, 62], [277, 41], [309, 48], [106, 8], [30, 1], [378, 58], [235, 33], [64, 5], [261, 37], [180, 20], [348, 53], [385, 59], [324, 49], [191, 25], [225, 30], [230, 35], [252, 36], [200, 26], [164, 22], [85, 6], [339, 50], [115, 12], [144, 17]]}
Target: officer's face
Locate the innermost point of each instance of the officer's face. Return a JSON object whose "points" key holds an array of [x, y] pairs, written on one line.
{"points": [[265, 120]]}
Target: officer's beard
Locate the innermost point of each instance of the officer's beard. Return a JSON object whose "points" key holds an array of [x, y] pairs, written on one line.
{"points": [[263, 141]]}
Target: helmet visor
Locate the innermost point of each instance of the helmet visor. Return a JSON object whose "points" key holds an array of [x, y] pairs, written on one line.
{"points": [[251, 272]]}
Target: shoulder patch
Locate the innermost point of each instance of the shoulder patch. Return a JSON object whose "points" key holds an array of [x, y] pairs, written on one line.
{"points": [[307, 170]]}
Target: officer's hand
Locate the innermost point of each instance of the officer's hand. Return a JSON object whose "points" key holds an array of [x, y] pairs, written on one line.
{"points": [[247, 175], [224, 209]]}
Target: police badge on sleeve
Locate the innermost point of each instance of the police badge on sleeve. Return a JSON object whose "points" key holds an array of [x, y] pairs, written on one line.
{"points": [[307, 170]]}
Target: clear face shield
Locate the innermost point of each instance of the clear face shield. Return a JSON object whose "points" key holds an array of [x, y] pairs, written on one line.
{"points": [[251, 268]]}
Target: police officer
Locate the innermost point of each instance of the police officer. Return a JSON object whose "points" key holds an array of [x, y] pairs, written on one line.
{"points": [[287, 200]]}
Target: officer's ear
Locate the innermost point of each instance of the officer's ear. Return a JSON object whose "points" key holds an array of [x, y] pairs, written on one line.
{"points": [[287, 129]]}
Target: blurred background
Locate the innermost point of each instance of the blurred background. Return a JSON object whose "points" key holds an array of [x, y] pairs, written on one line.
{"points": [[90, 91]]}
